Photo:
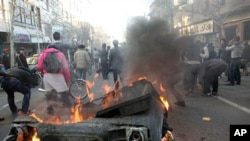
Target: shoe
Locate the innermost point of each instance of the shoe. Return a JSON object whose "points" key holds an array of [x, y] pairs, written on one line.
{"points": [[208, 94], [2, 118], [214, 93], [180, 103], [24, 113]]}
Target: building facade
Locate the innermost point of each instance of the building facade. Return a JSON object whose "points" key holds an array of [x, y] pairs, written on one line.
{"points": [[210, 20], [34, 22]]}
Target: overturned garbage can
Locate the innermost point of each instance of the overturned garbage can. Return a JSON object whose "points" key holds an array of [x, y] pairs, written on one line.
{"points": [[132, 113]]}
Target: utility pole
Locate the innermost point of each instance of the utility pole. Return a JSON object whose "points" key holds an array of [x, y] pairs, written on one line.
{"points": [[12, 15]]}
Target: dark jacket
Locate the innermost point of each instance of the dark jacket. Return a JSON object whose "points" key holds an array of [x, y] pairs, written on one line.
{"points": [[22, 74], [104, 56], [6, 61], [216, 66], [63, 48], [116, 59], [224, 54], [21, 61]]}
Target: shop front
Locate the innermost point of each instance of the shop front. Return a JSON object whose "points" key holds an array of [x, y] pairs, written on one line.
{"points": [[206, 32], [237, 24]]}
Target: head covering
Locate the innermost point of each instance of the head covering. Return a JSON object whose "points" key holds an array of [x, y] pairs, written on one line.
{"points": [[22, 48], [52, 46]]}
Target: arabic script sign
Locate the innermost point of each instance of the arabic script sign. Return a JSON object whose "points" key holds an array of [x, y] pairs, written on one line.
{"points": [[201, 28]]}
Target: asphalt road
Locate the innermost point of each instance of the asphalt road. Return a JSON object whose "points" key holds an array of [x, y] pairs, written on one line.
{"points": [[231, 106]]}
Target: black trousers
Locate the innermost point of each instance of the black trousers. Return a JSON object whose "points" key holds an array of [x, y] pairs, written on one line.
{"points": [[210, 80]]}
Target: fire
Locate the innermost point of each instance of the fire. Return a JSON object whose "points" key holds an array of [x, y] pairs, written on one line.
{"points": [[165, 102], [162, 88], [35, 137], [76, 115]]}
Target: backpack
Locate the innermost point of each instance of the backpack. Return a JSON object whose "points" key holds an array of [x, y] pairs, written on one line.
{"points": [[51, 63]]}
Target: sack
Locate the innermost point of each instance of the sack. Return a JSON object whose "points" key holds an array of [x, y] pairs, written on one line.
{"points": [[51, 63]]}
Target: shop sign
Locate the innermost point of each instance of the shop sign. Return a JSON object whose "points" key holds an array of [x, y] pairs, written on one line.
{"points": [[23, 38], [201, 28]]}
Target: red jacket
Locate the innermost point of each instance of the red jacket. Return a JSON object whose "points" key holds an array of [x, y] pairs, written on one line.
{"points": [[65, 71]]}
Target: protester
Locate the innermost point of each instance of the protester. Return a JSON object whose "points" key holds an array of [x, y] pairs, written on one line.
{"points": [[192, 65], [236, 51], [104, 61], [209, 74], [245, 58], [21, 58], [61, 46], [82, 61], [225, 56], [18, 80], [55, 81], [6, 59], [204, 53], [116, 63]]}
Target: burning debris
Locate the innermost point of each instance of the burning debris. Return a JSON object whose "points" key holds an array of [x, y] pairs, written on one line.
{"points": [[134, 115]]}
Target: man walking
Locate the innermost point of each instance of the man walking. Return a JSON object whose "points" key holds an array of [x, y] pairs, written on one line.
{"points": [[82, 61], [104, 61], [236, 51], [116, 63]]}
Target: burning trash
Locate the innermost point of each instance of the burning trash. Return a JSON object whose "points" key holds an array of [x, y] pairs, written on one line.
{"points": [[134, 115]]}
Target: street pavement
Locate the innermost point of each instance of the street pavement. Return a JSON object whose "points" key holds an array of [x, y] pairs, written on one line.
{"points": [[231, 106]]}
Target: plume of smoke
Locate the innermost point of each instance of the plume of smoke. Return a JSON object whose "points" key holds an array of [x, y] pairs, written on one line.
{"points": [[152, 50]]}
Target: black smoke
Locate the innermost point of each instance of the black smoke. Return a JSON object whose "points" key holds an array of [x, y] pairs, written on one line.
{"points": [[153, 50]]}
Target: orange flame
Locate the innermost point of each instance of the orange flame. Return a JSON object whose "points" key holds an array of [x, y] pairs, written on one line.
{"points": [[165, 102], [35, 137], [162, 88], [76, 115], [142, 78]]}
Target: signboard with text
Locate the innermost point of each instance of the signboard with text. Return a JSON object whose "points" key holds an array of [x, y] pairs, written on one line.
{"points": [[196, 29]]}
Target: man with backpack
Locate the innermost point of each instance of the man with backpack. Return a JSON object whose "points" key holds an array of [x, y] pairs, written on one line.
{"points": [[56, 74]]}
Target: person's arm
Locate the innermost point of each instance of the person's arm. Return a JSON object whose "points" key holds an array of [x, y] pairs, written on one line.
{"points": [[230, 47]]}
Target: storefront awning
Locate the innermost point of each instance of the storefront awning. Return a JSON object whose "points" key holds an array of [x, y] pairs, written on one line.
{"points": [[21, 35]]}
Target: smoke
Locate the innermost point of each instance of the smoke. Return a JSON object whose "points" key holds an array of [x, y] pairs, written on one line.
{"points": [[152, 50]]}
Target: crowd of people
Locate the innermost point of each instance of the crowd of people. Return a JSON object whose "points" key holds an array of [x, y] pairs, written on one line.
{"points": [[20, 78], [204, 66]]}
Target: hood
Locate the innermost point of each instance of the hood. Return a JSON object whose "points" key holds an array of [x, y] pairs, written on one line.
{"points": [[50, 50]]}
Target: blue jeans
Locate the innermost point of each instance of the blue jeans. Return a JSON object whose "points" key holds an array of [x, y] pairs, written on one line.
{"points": [[235, 71], [81, 73], [11, 85]]}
